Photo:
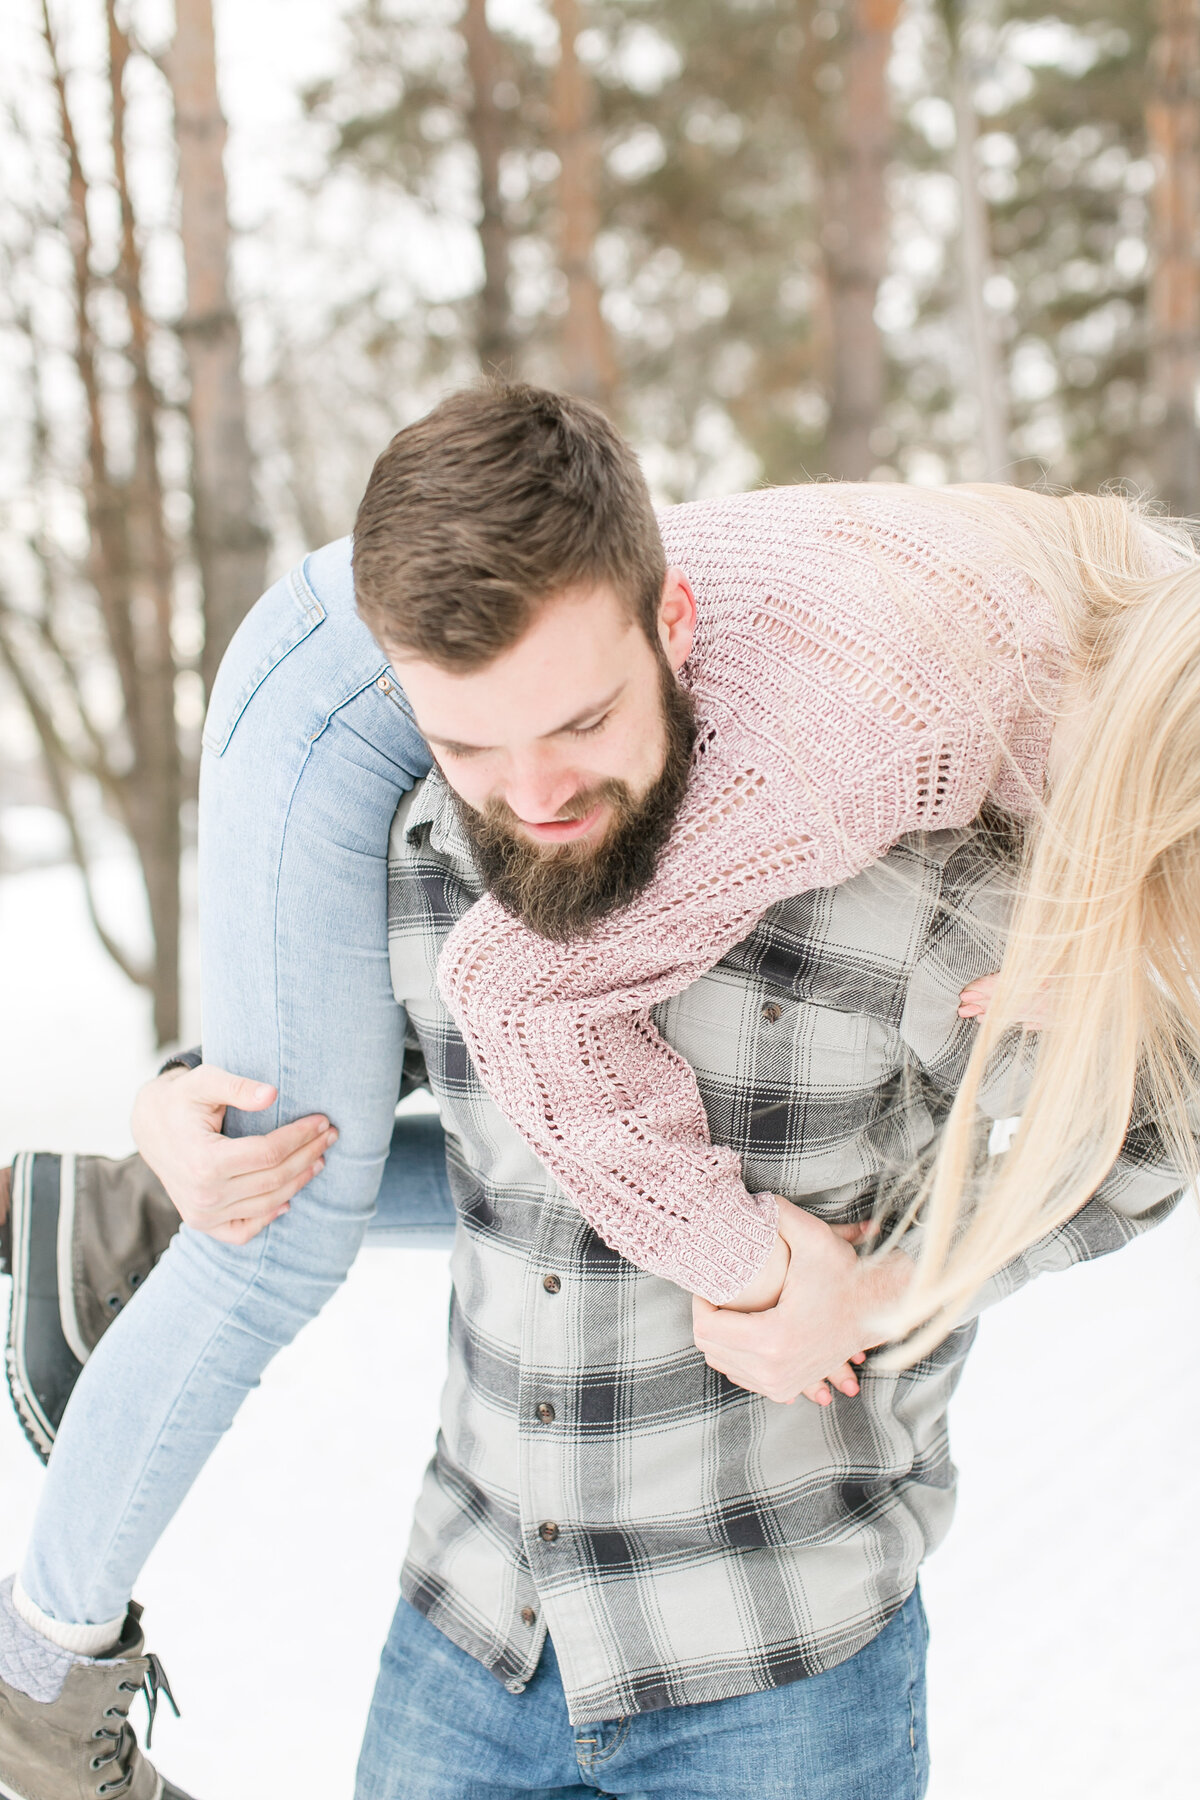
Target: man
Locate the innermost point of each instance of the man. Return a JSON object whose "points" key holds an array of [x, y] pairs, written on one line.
{"points": [[723, 1579], [690, 1547], [625, 1571]]}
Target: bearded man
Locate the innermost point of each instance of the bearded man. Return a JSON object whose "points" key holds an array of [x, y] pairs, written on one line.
{"points": [[628, 1574]]}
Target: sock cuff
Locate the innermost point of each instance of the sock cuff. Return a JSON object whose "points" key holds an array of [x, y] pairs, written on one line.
{"points": [[80, 1640]]}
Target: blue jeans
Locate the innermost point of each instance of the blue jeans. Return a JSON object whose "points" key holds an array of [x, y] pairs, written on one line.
{"points": [[308, 749], [442, 1728]]}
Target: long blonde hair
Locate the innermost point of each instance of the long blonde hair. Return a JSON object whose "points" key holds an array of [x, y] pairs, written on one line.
{"points": [[1105, 935]]}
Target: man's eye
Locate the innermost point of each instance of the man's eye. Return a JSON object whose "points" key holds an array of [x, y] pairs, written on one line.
{"points": [[590, 730]]}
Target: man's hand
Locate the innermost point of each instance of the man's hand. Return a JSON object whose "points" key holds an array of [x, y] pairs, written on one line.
{"points": [[828, 1314], [228, 1187]]}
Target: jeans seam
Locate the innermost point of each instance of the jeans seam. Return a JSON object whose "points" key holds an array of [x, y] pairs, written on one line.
{"points": [[915, 1664], [601, 1756], [136, 1502]]}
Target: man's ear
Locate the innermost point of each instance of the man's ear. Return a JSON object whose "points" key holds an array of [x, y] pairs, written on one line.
{"points": [[677, 618]]}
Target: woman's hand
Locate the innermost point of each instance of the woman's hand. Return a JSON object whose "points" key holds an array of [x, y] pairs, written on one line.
{"points": [[832, 1301], [975, 999], [762, 1294], [229, 1188]]}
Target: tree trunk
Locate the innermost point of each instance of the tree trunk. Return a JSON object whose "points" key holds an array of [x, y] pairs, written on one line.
{"points": [[487, 128], [230, 541], [1173, 130], [855, 237], [975, 261], [589, 366], [156, 790], [130, 565]]}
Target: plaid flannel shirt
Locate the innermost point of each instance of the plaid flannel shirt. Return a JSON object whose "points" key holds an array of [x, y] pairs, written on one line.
{"points": [[683, 1540]]}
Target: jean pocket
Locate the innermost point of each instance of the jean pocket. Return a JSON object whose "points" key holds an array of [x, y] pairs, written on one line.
{"points": [[283, 618]]}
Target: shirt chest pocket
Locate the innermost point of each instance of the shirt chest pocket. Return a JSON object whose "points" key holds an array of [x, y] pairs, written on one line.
{"points": [[734, 1031], [788, 1085]]}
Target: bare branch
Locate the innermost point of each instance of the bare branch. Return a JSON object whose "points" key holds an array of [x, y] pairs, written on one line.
{"points": [[57, 761], [106, 515]]}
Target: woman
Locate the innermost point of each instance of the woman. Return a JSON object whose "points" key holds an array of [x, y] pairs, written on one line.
{"points": [[309, 746]]}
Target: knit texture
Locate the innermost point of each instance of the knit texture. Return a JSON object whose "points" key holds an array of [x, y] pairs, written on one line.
{"points": [[29, 1662], [81, 1640], [865, 666]]}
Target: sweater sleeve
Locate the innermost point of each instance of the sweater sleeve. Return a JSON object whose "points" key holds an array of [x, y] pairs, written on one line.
{"points": [[561, 1035]]}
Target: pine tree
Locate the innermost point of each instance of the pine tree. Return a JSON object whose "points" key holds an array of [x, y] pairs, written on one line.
{"points": [[1063, 167]]}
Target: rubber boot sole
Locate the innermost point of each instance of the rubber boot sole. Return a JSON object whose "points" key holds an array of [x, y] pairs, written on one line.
{"points": [[41, 1365]]}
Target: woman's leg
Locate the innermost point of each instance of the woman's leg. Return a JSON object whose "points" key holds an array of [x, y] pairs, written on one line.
{"points": [[308, 750], [414, 1209]]}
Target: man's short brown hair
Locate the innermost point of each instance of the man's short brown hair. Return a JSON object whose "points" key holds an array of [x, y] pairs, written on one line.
{"points": [[500, 498]]}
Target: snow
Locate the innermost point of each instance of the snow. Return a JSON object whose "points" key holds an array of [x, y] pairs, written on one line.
{"points": [[1065, 1653]]}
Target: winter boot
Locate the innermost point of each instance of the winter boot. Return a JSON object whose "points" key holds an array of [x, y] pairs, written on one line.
{"points": [[76, 1743], [83, 1234]]}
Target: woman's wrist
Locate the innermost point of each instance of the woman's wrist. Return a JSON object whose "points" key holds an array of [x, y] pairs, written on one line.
{"points": [[763, 1290]]}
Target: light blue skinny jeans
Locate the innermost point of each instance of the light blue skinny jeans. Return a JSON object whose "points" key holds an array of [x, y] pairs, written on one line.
{"points": [[308, 748]]}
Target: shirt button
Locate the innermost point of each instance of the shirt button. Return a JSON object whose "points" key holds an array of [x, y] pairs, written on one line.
{"points": [[515, 1687], [545, 1412], [384, 685], [772, 1012], [528, 1616], [551, 1283], [548, 1531]]}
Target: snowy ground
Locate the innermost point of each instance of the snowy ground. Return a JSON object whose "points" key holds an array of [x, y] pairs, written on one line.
{"points": [[1066, 1655]]}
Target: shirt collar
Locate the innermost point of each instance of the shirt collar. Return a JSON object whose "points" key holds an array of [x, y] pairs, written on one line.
{"points": [[433, 810]]}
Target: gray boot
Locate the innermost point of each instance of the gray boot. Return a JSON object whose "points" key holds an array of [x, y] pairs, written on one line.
{"points": [[85, 1232], [79, 1745]]}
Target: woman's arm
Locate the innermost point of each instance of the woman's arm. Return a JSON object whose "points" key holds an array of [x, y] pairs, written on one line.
{"points": [[561, 1033]]}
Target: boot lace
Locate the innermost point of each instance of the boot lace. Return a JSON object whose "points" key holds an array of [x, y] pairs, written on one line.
{"points": [[122, 1737]]}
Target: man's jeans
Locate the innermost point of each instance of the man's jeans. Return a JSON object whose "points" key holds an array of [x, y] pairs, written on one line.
{"points": [[308, 749], [442, 1728]]}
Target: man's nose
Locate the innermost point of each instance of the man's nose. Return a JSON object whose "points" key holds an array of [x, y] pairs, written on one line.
{"points": [[537, 792]]}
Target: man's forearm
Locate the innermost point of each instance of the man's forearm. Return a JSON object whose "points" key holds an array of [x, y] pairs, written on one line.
{"points": [[1096, 1230]]}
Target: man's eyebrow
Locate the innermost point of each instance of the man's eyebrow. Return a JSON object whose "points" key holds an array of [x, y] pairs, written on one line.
{"points": [[581, 718]]}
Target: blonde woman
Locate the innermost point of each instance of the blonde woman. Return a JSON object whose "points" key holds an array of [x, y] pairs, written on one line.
{"points": [[924, 654]]}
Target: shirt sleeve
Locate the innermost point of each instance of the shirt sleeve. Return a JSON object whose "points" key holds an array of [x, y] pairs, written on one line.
{"points": [[965, 940]]}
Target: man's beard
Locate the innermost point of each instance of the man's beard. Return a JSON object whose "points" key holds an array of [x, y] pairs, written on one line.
{"points": [[561, 890]]}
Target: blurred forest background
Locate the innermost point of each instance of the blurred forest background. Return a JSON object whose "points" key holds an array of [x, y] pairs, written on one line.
{"points": [[779, 240]]}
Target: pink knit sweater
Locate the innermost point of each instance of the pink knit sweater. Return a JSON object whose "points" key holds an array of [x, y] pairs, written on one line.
{"points": [[865, 666]]}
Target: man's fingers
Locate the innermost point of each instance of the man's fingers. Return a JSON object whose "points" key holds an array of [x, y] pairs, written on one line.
{"points": [[258, 1209], [255, 1194], [237, 1231], [819, 1394], [844, 1380], [856, 1234], [724, 1329], [275, 1156], [217, 1087], [241, 1231]]}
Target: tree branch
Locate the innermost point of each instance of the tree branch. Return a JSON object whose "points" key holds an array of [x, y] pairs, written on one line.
{"points": [[58, 761]]}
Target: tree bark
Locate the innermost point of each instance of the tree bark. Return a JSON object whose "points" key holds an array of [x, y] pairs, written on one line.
{"points": [[487, 128], [975, 261], [231, 544], [156, 792], [589, 366], [855, 237], [1173, 131], [130, 564]]}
